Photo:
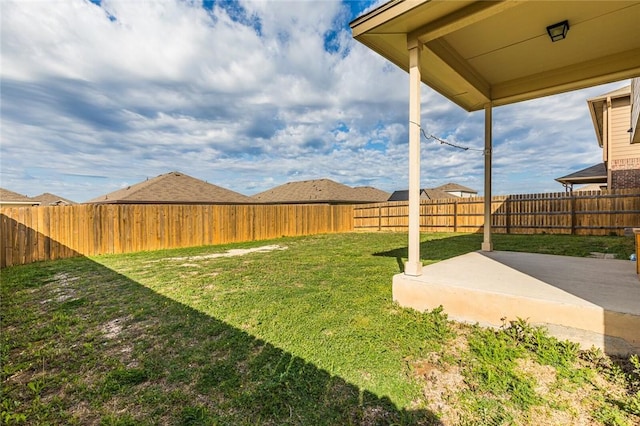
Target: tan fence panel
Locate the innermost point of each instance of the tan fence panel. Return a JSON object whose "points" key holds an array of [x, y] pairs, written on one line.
{"points": [[582, 213], [30, 234]]}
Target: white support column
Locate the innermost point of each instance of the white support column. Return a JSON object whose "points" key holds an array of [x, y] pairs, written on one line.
{"points": [[413, 266], [487, 244]]}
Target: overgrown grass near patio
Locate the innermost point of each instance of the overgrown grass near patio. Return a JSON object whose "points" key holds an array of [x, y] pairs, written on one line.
{"points": [[304, 334]]}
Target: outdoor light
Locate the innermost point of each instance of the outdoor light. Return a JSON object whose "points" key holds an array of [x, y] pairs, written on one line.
{"points": [[558, 31]]}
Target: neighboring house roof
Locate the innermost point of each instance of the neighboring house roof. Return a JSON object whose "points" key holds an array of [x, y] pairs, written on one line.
{"points": [[594, 174], [591, 187], [319, 191], [371, 194], [13, 198], [454, 187], [48, 199], [173, 188], [425, 194], [436, 194]]}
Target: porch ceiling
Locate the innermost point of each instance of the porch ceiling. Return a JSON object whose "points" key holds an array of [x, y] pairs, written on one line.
{"points": [[475, 52]]}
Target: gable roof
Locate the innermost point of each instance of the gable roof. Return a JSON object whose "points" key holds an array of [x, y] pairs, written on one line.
{"points": [[319, 191], [10, 197], [49, 199], [436, 194], [173, 188], [596, 106], [425, 194], [454, 187], [593, 174]]}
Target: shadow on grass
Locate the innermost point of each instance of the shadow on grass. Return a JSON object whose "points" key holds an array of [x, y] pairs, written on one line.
{"points": [[438, 247], [88, 345]]}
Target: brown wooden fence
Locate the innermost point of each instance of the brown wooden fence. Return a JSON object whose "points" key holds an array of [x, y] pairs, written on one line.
{"points": [[583, 213], [30, 234]]}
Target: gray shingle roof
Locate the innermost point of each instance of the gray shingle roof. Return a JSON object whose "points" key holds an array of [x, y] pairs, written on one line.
{"points": [[173, 188], [593, 174], [320, 191], [454, 187]]}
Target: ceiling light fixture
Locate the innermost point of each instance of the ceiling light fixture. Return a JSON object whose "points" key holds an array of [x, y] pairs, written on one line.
{"points": [[558, 31]]}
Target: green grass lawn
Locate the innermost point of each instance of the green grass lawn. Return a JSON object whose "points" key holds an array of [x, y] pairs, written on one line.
{"points": [[303, 335]]}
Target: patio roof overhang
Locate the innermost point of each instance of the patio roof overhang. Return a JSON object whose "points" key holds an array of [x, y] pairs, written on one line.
{"points": [[499, 52], [480, 54]]}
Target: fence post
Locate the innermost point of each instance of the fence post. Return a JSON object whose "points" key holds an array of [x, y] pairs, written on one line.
{"points": [[379, 218], [508, 218], [572, 211], [455, 216]]}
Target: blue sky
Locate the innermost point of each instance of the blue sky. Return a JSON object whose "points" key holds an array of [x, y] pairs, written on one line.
{"points": [[246, 95]]}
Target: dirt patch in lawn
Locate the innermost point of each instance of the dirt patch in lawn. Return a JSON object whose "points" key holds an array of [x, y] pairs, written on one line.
{"points": [[229, 253]]}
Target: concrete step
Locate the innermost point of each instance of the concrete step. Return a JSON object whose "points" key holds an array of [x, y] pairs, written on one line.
{"points": [[594, 302]]}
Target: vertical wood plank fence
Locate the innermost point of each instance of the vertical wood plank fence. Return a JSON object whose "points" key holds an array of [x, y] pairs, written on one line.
{"points": [[30, 234], [581, 213]]}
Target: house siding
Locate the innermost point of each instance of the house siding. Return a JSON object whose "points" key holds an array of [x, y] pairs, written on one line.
{"points": [[624, 159], [621, 146]]}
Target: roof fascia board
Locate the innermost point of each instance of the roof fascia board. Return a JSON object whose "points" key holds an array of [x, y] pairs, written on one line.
{"points": [[613, 95], [619, 66], [593, 112], [381, 15], [596, 179], [586, 179], [475, 12]]}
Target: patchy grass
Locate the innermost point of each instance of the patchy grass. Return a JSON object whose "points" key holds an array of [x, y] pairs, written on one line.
{"points": [[303, 334]]}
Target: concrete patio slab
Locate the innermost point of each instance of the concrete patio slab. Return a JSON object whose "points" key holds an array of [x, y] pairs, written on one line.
{"points": [[594, 302]]}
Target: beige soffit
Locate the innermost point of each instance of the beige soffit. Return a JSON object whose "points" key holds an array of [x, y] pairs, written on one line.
{"points": [[475, 52]]}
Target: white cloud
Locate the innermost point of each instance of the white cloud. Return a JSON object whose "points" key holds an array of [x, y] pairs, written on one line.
{"points": [[245, 95]]}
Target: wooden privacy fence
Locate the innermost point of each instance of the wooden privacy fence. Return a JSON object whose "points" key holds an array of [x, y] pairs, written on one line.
{"points": [[30, 234], [584, 213]]}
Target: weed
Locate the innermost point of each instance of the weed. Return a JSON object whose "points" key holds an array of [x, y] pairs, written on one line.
{"points": [[123, 420], [493, 368], [548, 350], [195, 416], [36, 387], [9, 412], [610, 416], [123, 378]]}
